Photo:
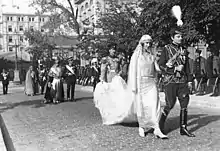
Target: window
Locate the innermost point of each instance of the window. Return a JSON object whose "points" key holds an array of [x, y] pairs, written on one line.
{"points": [[82, 8], [10, 39], [19, 18], [22, 18], [32, 28], [87, 5], [40, 19], [29, 19], [10, 48], [43, 19], [21, 48], [32, 18], [21, 38], [7, 18], [42, 30], [9, 28], [21, 28], [11, 18]]}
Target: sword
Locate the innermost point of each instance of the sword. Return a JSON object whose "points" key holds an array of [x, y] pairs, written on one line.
{"points": [[216, 82], [200, 82]]}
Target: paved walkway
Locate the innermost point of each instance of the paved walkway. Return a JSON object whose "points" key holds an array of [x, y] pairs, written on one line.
{"points": [[202, 101], [75, 126]]}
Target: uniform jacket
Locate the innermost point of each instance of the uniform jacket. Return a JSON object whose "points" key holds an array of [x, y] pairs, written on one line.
{"points": [[199, 67], [167, 52]]}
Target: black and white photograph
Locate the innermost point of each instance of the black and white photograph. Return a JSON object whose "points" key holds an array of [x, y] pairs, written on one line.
{"points": [[109, 75]]}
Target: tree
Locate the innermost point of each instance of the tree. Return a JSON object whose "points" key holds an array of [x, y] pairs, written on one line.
{"points": [[63, 14], [41, 44], [119, 27], [201, 19]]}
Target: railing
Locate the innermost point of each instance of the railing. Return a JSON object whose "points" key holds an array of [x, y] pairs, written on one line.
{"points": [[6, 137]]}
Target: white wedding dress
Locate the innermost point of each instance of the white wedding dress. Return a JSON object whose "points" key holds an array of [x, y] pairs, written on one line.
{"points": [[117, 102]]}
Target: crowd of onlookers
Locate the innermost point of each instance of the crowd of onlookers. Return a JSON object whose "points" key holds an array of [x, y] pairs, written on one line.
{"points": [[206, 73]]}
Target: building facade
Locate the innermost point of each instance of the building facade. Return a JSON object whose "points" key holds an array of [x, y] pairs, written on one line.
{"points": [[13, 23], [89, 11]]}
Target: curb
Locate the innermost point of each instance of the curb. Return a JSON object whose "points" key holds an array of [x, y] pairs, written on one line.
{"points": [[195, 101]]}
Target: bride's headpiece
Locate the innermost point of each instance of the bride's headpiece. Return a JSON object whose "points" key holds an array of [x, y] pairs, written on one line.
{"points": [[145, 38]]}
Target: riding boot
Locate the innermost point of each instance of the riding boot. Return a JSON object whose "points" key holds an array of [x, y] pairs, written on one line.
{"points": [[183, 123], [162, 121]]}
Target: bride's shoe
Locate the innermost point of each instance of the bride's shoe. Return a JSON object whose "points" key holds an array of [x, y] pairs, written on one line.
{"points": [[159, 134], [141, 132]]}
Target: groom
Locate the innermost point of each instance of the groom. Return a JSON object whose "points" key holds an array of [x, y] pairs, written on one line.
{"points": [[174, 64]]}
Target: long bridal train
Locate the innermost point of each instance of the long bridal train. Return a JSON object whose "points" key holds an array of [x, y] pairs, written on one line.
{"points": [[114, 102], [118, 104]]}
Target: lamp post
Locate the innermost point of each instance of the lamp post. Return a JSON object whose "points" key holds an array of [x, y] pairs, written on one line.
{"points": [[16, 71]]}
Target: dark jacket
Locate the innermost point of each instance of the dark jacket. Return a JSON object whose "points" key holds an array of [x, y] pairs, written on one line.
{"points": [[167, 53], [5, 78], [209, 67], [69, 77], [199, 67]]}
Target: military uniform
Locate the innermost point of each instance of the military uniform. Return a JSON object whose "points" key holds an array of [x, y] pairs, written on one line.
{"points": [[95, 69], [70, 77], [199, 72], [42, 77], [175, 82], [109, 68]]}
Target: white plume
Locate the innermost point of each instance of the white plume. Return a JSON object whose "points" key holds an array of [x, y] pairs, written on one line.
{"points": [[177, 13]]}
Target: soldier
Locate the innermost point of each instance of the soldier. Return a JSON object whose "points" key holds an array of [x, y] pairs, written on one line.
{"points": [[174, 65], [199, 72], [70, 80], [95, 72], [109, 67], [5, 81], [216, 70], [209, 69], [42, 74]]}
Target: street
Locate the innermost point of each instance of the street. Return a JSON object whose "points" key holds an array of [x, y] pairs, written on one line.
{"points": [[77, 126]]}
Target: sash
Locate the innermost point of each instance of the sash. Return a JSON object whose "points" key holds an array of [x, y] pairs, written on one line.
{"points": [[95, 68], [70, 69]]}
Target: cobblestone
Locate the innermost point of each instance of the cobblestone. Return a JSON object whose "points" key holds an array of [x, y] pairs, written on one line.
{"points": [[77, 126]]}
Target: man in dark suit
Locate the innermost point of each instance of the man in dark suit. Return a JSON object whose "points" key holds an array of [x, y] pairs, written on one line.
{"points": [[95, 72], [174, 65], [5, 81], [70, 80], [199, 72]]}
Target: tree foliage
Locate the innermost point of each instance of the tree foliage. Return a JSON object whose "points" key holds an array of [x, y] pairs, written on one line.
{"points": [[201, 19], [119, 28], [124, 25], [62, 13], [40, 44]]}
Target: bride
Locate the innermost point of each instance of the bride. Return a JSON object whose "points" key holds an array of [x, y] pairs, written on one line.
{"points": [[136, 101]]}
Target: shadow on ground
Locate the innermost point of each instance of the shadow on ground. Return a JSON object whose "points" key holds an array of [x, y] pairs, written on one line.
{"points": [[195, 122], [34, 103], [84, 98]]}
